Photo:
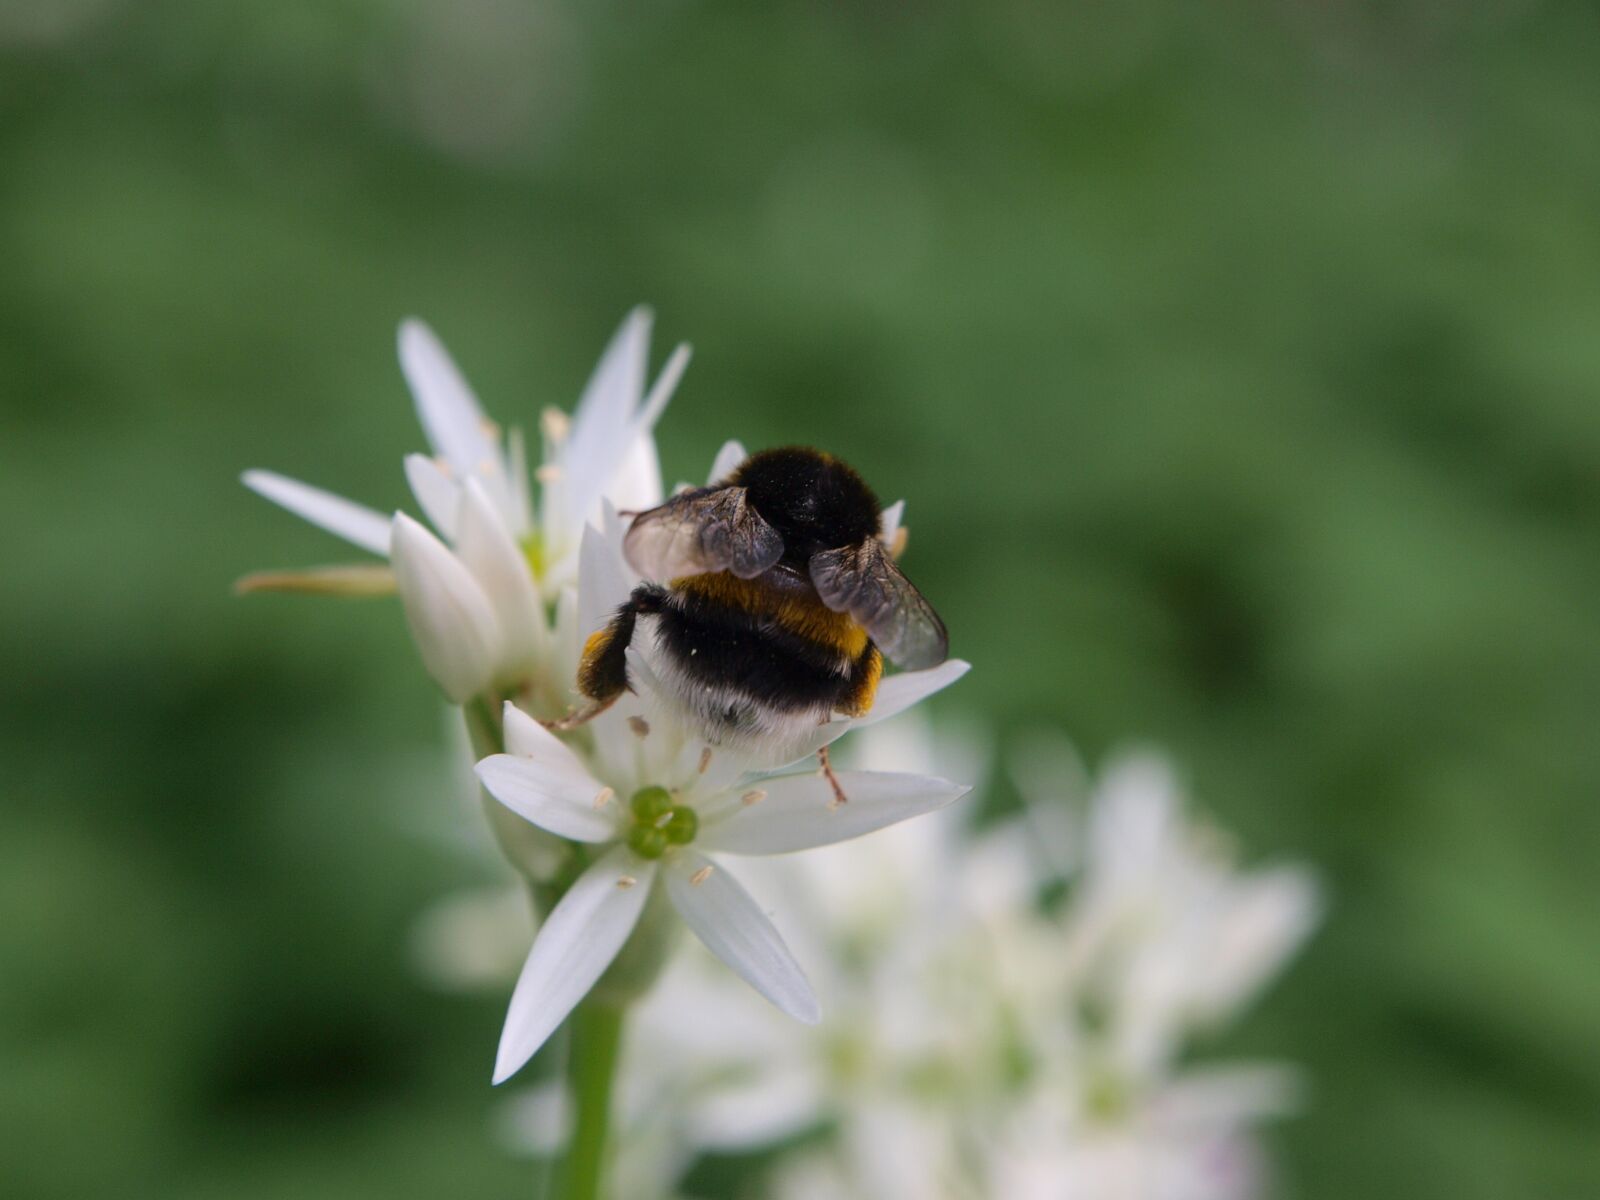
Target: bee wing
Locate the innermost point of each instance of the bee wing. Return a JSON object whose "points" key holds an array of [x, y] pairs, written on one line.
{"points": [[702, 530], [865, 582]]}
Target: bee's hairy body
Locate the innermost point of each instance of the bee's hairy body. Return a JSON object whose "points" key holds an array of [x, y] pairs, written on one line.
{"points": [[762, 630], [749, 659]]}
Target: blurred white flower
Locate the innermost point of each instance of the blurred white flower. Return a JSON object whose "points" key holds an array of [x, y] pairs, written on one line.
{"points": [[1164, 937], [978, 1045], [480, 607]]}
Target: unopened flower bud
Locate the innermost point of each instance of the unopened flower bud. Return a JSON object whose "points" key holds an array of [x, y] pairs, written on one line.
{"points": [[450, 617]]}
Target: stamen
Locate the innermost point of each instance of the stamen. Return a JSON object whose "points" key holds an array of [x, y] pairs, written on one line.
{"points": [[754, 796], [700, 876], [640, 726], [626, 881], [555, 424], [444, 466], [488, 467], [548, 473], [603, 797], [489, 429], [705, 760]]}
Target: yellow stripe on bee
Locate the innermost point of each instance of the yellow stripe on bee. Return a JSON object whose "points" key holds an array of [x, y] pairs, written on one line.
{"points": [[804, 616], [596, 644], [865, 690]]}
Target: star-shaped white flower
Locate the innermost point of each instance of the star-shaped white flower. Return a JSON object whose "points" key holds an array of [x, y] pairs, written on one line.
{"points": [[656, 801], [476, 596]]}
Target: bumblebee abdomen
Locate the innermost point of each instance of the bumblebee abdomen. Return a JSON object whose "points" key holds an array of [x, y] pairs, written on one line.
{"points": [[745, 652]]}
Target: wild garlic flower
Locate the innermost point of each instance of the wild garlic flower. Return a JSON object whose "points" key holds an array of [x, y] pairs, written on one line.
{"points": [[980, 1044], [480, 589], [652, 800]]}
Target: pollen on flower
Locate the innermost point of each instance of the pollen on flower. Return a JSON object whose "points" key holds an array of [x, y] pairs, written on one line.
{"points": [[555, 424], [626, 881], [603, 797], [700, 876], [753, 796], [640, 727]]}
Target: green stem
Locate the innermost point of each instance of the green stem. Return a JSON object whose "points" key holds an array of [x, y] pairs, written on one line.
{"points": [[595, 1035]]}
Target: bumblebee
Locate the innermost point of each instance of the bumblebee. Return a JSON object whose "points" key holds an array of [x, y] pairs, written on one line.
{"points": [[779, 603]]}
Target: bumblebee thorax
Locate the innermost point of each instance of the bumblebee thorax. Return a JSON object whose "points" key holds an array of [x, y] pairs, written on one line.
{"points": [[814, 500]]}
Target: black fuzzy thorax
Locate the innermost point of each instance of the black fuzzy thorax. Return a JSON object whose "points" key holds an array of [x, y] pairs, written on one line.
{"points": [[815, 501]]}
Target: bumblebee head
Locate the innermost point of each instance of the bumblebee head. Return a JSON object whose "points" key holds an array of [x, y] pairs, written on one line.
{"points": [[813, 500]]}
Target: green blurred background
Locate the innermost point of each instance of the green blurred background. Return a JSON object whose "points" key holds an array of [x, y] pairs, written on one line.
{"points": [[1240, 362]]}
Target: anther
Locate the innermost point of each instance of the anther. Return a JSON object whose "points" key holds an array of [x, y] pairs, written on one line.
{"points": [[754, 796], [626, 881], [548, 473], [603, 797], [700, 876], [488, 428], [444, 466], [640, 726], [705, 759], [555, 424], [488, 466]]}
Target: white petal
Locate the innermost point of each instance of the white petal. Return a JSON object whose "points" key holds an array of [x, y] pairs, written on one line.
{"points": [[724, 917], [450, 414], [485, 545], [730, 456], [1263, 919], [551, 799], [519, 482], [565, 643], [602, 425], [526, 738], [435, 491], [574, 947], [355, 523], [602, 581], [890, 520], [451, 619], [797, 812], [636, 486], [665, 385], [899, 692], [748, 1114]]}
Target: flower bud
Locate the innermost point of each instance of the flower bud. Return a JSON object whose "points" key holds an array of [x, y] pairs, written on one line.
{"points": [[450, 617]]}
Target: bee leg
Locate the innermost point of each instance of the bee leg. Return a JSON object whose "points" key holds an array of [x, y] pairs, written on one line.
{"points": [[580, 718], [833, 780], [603, 669]]}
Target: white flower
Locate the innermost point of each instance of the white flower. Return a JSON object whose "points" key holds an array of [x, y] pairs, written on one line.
{"points": [[978, 1045], [480, 611], [1164, 936], [656, 799]]}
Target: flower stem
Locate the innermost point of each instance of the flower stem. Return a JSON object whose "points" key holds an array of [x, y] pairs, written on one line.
{"points": [[596, 1033]]}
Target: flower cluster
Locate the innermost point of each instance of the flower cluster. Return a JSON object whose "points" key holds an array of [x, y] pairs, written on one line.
{"points": [[621, 819], [988, 1036]]}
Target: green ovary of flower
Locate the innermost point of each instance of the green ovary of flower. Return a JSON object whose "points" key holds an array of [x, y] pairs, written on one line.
{"points": [[659, 823], [533, 551]]}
